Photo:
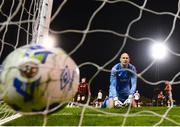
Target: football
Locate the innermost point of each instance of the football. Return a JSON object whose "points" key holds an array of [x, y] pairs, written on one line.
{"points": [[34, 78]]}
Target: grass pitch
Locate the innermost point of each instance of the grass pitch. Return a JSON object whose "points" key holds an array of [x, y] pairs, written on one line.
{"points": [[143, 116]]}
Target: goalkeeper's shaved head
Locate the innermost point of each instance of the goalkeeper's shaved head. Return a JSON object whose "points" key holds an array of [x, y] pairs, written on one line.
{"points": [[124, 59]]}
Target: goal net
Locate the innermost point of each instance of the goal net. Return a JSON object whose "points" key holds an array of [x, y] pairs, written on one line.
{"points": [[94, 33]]}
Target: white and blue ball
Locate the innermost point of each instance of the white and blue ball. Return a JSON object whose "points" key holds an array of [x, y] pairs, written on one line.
{"points": [[35, 78]]}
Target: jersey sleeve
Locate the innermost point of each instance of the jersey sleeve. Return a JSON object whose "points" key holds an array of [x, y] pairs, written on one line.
{"points": [[113, 83], [133, 81]]}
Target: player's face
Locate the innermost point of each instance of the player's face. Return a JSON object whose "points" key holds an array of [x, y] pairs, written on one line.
{"points": [[124, 59]]}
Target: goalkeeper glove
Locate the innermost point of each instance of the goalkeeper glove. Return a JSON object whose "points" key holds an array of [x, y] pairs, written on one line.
{"points": [[117, 103], [129, 100]]}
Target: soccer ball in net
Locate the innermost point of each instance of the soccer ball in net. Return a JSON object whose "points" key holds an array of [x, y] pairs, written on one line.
{"points": [[35, 78]]}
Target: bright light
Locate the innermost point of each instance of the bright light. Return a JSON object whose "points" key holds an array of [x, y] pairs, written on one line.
{"points": [[49, 42], [159, 51]]}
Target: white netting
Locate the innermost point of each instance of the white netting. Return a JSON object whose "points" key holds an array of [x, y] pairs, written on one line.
{"points": [[95, 32]]}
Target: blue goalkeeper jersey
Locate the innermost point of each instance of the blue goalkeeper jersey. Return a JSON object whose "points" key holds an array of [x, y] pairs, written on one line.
{"points": [[122, 82]]}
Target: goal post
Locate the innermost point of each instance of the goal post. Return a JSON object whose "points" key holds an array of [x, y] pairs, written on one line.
{"points": [[42, 23]]}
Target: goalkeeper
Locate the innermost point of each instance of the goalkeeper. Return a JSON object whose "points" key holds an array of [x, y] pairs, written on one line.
{"points": [[122, 83]]}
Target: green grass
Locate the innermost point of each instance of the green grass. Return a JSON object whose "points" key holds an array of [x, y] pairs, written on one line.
{"points": [[143, 116]]}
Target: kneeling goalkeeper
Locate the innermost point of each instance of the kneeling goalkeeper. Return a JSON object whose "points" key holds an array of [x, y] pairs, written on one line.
{"points": [[123, 83]]}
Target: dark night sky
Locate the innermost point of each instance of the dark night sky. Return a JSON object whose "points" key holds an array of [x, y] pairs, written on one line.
{"points": [[101, 47]]}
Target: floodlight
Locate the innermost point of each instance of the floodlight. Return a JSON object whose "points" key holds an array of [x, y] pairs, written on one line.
{"points": [[159, 51]]}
